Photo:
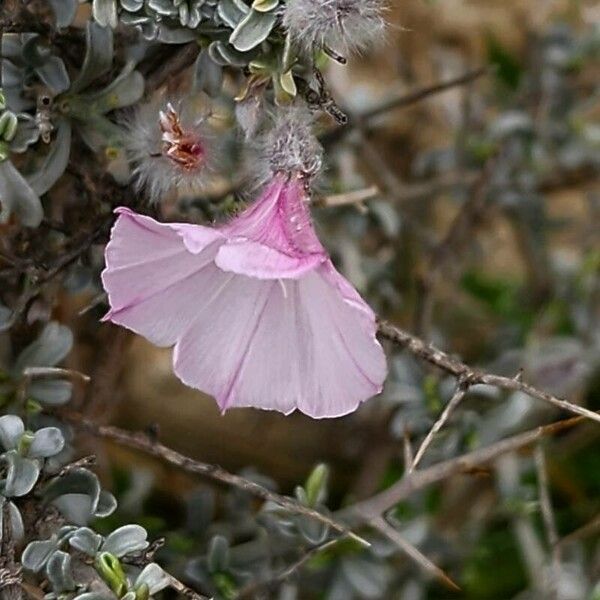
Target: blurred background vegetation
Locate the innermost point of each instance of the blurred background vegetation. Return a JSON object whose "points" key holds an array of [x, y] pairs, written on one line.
{"points": [[483, 237]]}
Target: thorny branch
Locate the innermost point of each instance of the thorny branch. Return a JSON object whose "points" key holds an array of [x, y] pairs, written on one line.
{"points": [[459, 394], [140, 441], [371, 508], [381, 525], [472, 376], [184, 590]]}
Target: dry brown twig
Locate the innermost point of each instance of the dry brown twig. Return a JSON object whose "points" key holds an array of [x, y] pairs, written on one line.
{"points": [[381, 525], [371, 508], [142, 442], [184, 590], [471, 376], [459, 394]]}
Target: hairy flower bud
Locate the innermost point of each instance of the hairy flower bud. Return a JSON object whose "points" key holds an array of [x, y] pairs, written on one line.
{"points": [[343, 25], [289, 145]]}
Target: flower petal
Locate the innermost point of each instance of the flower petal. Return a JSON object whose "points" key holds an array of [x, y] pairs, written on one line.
{"points": [[282, 345], [257, 260], [149, 268]]}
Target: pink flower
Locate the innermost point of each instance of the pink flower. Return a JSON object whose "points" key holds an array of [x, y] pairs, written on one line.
{"points": [[255, 309]]}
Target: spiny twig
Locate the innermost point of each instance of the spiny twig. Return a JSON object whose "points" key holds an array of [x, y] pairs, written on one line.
{"points": [[472, 376], [393, 535], [142, 442], [184, 590], [366, 510], [459, 394]]}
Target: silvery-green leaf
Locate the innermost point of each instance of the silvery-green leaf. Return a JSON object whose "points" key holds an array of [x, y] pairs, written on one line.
{"points": [[314, 531], [53, 74], [85, 540], [164, 7], [125, 90], [134, 19], [94, 596], [48, 441], [175, 35], [17, 196], [232, 56], [126, 539], [28, 133], [105, 12], [76, 508], [232, 12], [58, 569], [64, 11], [55, 162], [52, 392], [132, 5], [252, 30], [11, 45], [52, 345], [218, 554], [154, 577], [98, 56], [78, 482], [33, 51], [264, 5], [21, 475], [11, 430], [107, 504], [65, 533], [208, 75], [17, 529], [129, 596], [36, 554], [225, 54], [13, 82]]}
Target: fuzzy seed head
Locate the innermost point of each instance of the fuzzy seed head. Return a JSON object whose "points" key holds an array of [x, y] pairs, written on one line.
{"points": [[289, 146], [343, 25], [171, 146]]}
